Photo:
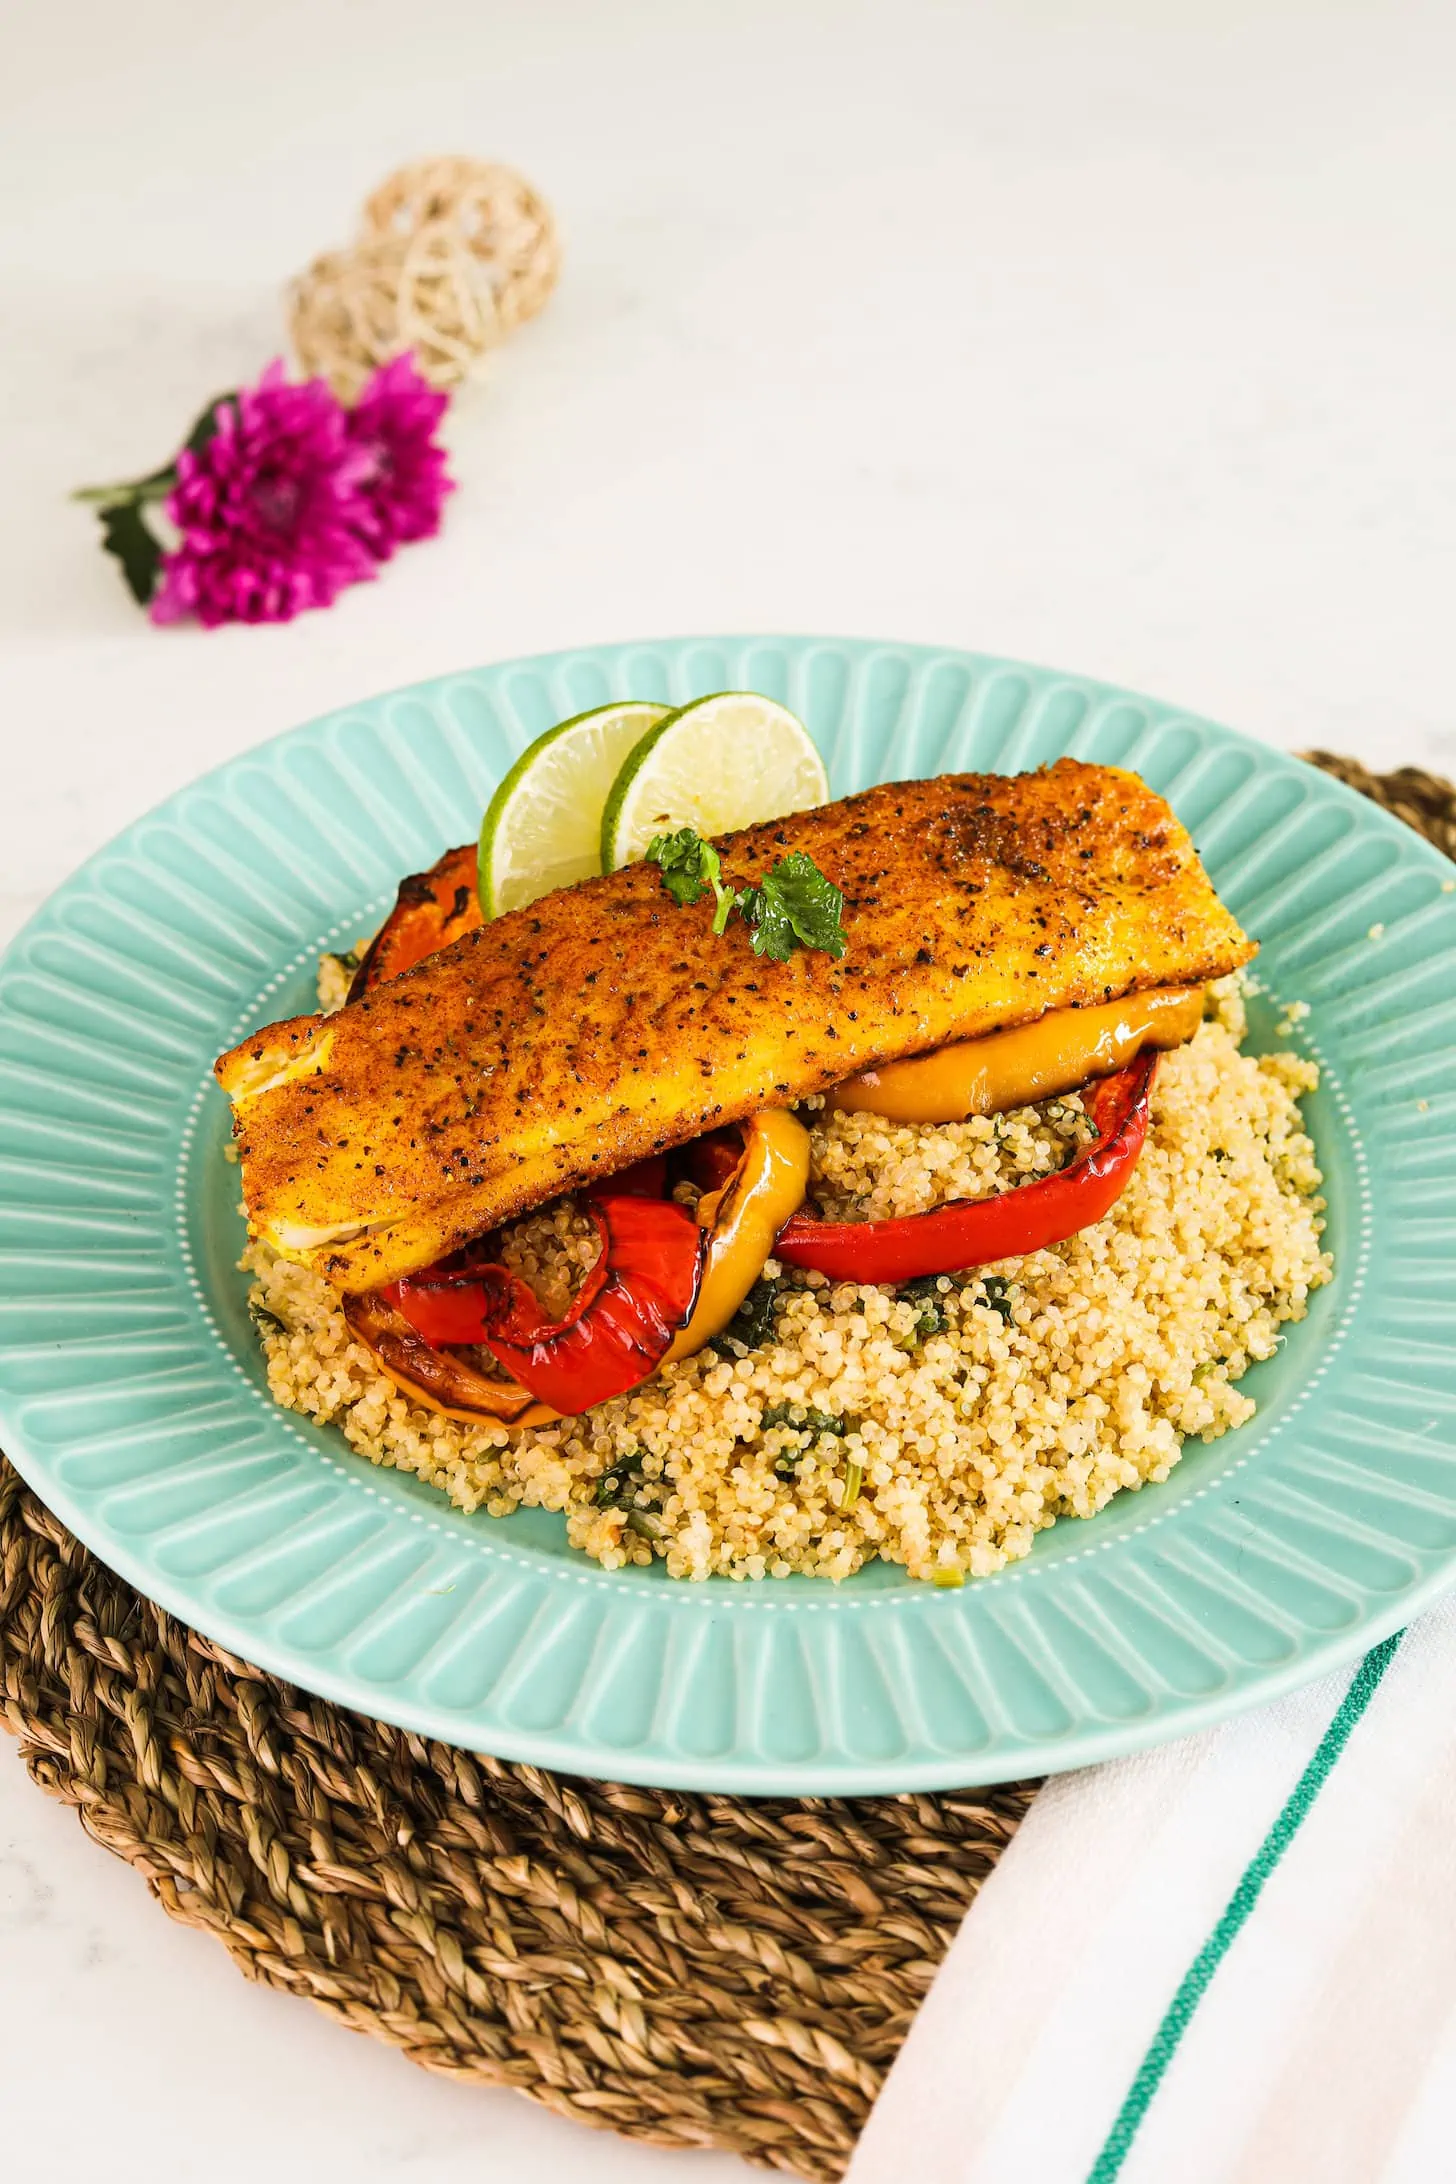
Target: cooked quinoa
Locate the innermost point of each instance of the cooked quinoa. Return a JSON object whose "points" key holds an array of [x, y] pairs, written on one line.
{"points": [[940, 1426]]}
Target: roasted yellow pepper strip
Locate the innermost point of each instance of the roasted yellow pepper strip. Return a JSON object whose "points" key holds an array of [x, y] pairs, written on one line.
{"points": [[1060, 1051], [742, 1220]]}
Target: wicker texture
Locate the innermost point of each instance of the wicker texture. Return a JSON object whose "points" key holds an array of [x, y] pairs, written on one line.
{"points": [[452, 255], [692, 1970], [1423, 800], [702, 1971]]}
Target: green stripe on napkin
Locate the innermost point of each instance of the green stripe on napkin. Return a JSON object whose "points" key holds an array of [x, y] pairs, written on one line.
{"points": [[1164, 2045]]}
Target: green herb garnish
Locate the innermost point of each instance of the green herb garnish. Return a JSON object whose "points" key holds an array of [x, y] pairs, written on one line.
{"points": [[813, 1421], [998, 1297], [266, 1322], [615, 1489], [793, 905], [624, 1478], [853, 1481], [925, 1292], [752, 1325], [690, 868]]}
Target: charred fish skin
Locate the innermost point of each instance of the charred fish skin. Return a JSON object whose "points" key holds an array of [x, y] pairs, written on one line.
{"points": [[604, 1022]]}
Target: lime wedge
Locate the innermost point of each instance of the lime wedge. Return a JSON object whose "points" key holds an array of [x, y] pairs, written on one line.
{"points": [[722, 762], [542, 828]]}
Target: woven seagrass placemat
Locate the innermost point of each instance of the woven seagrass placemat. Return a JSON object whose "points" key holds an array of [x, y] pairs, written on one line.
{"points": [[694, 1970]]}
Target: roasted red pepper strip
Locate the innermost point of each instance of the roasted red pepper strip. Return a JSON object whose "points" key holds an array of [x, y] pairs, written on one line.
{"points": [[620, 1325], [713, 1159], [644, 1179], [976, 1231]]}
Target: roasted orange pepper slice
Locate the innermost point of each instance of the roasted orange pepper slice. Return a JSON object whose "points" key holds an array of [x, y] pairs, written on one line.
{"points": [[431, 909], [1058, 1053], [742, 1217]]}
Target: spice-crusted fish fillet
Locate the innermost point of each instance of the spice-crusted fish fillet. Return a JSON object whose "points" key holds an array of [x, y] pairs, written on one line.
{"points": [[604, 1022]]}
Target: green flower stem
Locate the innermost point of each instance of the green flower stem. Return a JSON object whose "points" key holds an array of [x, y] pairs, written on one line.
{"points": [[153, 488], [157, 484]]}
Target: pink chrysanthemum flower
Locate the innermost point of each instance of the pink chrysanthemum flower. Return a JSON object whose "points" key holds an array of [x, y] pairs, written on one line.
{"points": [[269, 509], [402, 487]]}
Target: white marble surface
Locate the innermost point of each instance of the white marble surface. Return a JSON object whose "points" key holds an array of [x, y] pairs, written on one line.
{"points": [[1110, 334]]}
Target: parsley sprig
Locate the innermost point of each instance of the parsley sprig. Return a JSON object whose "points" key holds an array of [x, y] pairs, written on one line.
{"points": [[793, 905], [689, 868]]}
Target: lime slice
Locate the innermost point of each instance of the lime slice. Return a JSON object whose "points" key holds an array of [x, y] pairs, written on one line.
{"points": [[543, 827], [722, 762]]}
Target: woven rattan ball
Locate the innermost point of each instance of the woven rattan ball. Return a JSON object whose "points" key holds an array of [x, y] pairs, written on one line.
{"points": [[492, 210], [453, 254]]}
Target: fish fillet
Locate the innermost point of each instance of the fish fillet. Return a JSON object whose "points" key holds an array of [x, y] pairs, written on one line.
{"points": [[603, 1022]]}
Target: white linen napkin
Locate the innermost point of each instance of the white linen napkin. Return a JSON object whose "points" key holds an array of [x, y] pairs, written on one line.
{"points": [[1230, 1961]]}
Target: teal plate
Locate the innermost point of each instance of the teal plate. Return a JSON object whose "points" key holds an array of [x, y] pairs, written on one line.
{"points": [[131, 1394]]}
